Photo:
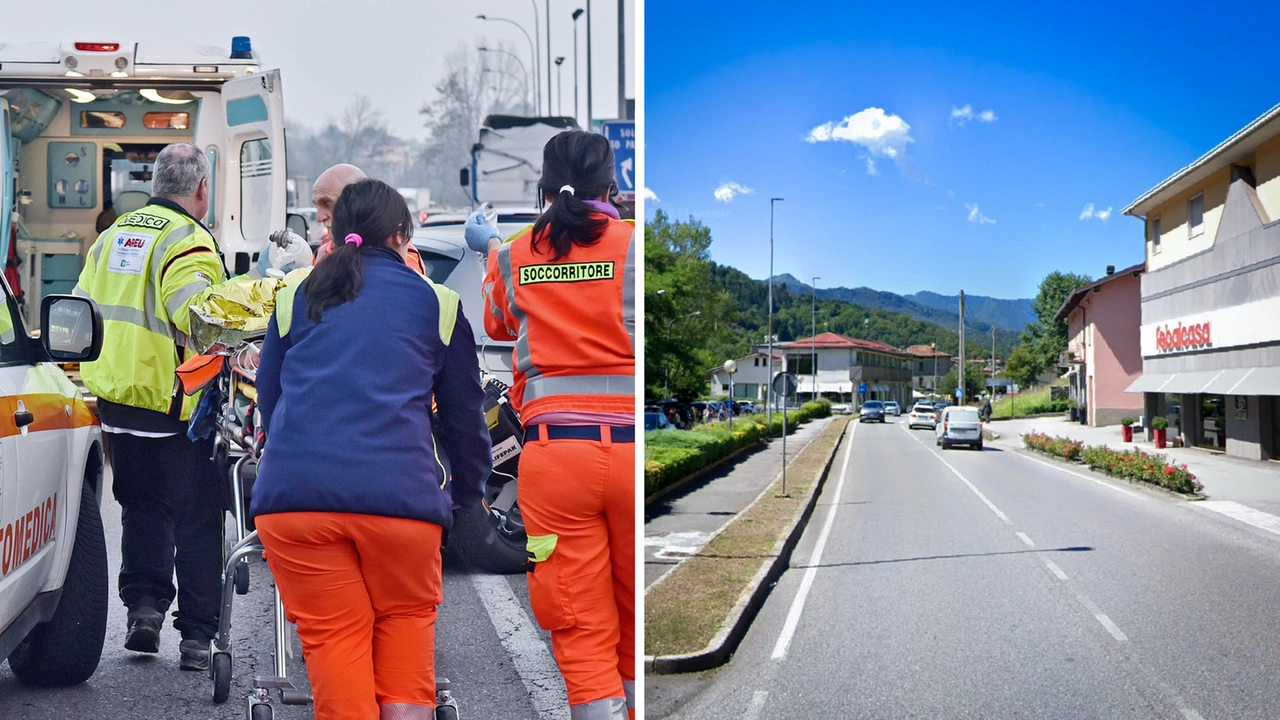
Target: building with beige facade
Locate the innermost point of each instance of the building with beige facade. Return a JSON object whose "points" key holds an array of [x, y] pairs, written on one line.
{"points": [[1210, 333]]}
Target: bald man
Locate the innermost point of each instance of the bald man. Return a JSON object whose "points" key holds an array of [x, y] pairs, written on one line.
{"points": [[324, 194]]}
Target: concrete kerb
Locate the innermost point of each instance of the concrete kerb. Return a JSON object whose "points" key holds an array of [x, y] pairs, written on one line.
{"points": [[722, 646]]}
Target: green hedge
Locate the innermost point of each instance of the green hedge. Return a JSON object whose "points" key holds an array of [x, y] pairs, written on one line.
{"points": [[672, 455]]}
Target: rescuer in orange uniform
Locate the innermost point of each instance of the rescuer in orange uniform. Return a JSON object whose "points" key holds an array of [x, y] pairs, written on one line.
{"points": [[565, 292]]}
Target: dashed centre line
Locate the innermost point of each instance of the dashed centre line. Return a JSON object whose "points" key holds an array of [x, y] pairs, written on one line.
{"points": [[1026, 540]]}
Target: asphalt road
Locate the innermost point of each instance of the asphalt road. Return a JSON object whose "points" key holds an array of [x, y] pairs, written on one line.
{"points": [[498, 660], [961, 584]]}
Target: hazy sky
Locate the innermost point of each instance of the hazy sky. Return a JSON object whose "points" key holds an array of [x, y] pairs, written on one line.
{"points": [[329, 51]]}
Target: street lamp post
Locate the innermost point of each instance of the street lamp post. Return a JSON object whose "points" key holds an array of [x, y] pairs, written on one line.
{"points": [[559, 86], [519, 62], [730, 367], [769, 388], [666, 379], [546, 7], [532, 49], [576, 14], [814, 339], [537, 58]]}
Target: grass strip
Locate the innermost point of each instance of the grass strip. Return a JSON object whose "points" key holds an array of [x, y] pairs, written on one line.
{"points": [[1029, 402], [685, 611]]}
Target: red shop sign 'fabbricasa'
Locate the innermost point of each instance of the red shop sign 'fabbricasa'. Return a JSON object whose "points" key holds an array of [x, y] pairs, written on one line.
{"points": [[1172, 338]]}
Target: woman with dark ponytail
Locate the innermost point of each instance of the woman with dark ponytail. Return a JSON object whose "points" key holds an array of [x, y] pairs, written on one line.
{"points": [[351, 475], [564, 290]]}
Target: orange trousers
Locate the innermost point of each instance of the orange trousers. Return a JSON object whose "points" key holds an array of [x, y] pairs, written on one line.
{"points": [[365, 608], [583, 492]]}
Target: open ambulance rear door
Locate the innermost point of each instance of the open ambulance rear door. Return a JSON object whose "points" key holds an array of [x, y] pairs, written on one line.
{"points": [[254, 206], [6, 181]]}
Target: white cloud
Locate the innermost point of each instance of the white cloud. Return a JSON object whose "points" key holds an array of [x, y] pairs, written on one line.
{"points": [[1089, 213], [650, 196], [962, 115], [877, 132], [730, 190], [976, 216]]}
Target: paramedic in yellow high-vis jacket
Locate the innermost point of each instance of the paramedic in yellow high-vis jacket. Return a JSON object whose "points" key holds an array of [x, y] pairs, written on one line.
{"points": [[143, 272]]}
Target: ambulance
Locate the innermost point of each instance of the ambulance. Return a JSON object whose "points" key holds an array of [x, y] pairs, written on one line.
{"points": [[81, 123]]}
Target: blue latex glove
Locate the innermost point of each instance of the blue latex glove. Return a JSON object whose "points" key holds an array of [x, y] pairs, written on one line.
{"points": [[479, 232]]}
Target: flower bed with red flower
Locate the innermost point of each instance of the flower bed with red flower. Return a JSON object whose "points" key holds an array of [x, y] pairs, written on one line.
{"points": [[1134, 464]]}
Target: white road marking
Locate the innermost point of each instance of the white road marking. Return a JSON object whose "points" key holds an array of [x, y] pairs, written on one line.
{"points": [[964, 480], [797, 605], [1243, 513], [1057, 571], [757, 705], [677, 545], [529, 654], [1103, 483], [1026, 540], [1102, 618]]}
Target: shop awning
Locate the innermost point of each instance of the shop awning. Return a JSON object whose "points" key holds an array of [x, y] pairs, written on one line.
{"points": [[1257, 381], [1237, 381], [1149, 382]]}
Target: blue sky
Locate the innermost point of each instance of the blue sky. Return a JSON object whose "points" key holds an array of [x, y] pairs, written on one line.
{"points": [[1089, 107]]}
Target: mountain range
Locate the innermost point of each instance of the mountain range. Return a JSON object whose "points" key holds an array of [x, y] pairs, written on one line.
{"points": [[981, 312]]}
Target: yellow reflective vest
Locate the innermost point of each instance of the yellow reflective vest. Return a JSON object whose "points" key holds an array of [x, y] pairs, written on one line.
{"points": [[143, 272]]}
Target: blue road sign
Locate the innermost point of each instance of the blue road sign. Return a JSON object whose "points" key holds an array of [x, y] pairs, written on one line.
{"points": [[959, 392], [622, 136], [862, 388]]}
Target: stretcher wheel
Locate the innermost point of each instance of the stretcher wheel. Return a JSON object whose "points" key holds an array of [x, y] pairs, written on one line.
{"points": [[446, 712], [242, 577], [260, 712], [220, 669]]}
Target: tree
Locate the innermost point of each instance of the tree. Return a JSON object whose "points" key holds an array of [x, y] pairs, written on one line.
{"points": [[1021, 367], [974, 383], [1046, 338], [469, 91]]}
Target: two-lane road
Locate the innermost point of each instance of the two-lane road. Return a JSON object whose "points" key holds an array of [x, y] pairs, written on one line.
{"points": [[965, 584]]}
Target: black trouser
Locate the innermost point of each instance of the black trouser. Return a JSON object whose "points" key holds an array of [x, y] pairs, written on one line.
{"points": [[172, 519]]}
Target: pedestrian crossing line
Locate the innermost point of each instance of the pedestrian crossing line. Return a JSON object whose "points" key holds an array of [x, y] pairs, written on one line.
{"points": [[797, 605]]}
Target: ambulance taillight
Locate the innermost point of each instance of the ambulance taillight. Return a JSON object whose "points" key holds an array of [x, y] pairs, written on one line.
{"points": [[97, 47]]}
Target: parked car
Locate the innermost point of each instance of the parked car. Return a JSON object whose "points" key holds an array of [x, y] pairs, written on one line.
{"points": [[872, 411], [54, 593], [892, 408], [655, 421], [746, 406], [922, 415], [958, 425], [842, 409]]}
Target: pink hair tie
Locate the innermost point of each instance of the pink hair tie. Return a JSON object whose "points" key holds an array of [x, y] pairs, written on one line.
{"points": [[354, 239]]}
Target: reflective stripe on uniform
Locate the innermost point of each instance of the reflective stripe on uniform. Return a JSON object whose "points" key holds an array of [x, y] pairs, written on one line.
{"points": [[134, 316], [629, 291], [449, 302], [284, 308], [540, 547], [524, 361], [184, 294], [605, 709], [541, 387], [79, 291]]}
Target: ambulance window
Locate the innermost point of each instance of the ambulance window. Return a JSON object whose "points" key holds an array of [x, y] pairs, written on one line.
{"points": [[99, 119], [255, 189], [166, 120]]}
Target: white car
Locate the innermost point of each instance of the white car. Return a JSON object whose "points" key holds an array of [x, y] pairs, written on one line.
{"points": [[921, 415], [892, 408], [958, 425], [54, 588]]}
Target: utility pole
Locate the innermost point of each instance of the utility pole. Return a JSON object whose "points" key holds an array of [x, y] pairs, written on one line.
{"points": [[588, 127], [993, 359], [814, 341], [546, 15], [933, 388], [622, 59], [962, 392]]}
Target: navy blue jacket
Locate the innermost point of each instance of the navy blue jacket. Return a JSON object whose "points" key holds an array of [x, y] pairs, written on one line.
{"points": [[346, 403]]}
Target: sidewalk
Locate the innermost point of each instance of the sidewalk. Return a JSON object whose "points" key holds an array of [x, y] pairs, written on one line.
{"points": [[677, 525], [1252, 483]]}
